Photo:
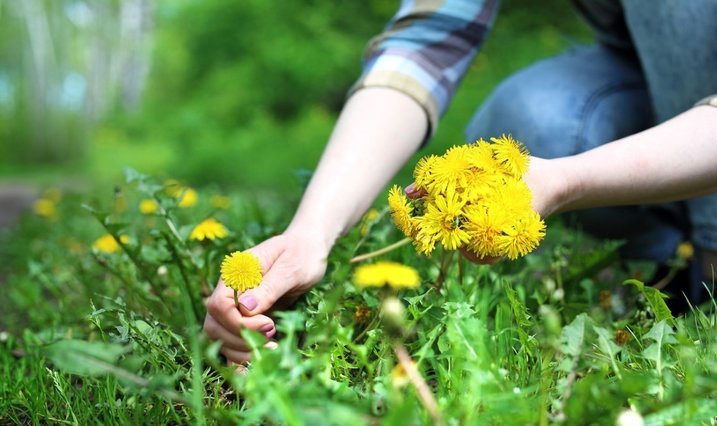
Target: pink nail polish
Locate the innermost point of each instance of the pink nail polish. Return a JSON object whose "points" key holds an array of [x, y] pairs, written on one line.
{"points": [[248, 302]]}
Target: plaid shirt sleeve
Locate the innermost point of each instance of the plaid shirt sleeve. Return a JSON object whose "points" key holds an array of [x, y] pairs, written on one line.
{"points": [[426, 49]]}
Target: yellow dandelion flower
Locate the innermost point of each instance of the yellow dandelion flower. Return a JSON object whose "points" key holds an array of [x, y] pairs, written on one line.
{"points": [[424, 241], [148, 206], [451, 170], [209, 229], [220, 202], [241, 271], [423, 172], [480, 155], [45, 208], [511, 155], [187, 197], [484, 224], [512, 195], [443, 219], [685, 250], [108, 244], [401, 210], [522, 236], [393, 274]]}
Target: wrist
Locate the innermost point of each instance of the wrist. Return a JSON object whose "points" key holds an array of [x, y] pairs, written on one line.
{"points": [[555, 185], [569, 185], [316, 233]]}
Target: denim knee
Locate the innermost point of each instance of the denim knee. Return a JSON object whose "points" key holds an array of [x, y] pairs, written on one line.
{"points": [[567, 104]]}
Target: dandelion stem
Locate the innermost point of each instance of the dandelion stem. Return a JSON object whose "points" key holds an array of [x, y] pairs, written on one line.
{"points": [[236, 299], [424, 393], [379, 252], [446, 257]]}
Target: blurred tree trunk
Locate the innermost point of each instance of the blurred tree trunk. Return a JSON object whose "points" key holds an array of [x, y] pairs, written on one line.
{"points": [[41, 73], [79, 59]]}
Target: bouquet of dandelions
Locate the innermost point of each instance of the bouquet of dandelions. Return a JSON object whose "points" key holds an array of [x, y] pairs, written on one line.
{"points": [[475, 199]]}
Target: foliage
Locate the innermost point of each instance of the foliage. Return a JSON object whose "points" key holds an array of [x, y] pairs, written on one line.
{"points": [[92, 337]]}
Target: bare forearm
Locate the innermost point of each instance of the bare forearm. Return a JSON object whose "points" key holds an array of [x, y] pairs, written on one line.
{"points": [[377, 132], [672, 161]]}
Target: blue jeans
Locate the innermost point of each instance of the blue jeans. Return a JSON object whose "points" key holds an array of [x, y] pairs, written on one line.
{"points": [[593, 95]]}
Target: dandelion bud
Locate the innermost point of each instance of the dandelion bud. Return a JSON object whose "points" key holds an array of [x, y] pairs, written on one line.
{"points": [[629, 418], [393, 314]]}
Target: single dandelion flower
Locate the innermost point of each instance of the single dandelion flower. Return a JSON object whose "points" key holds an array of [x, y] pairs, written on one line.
{"points": [[425, 242], [443, 219], [241, 271], [423, 172], [685, 250], [187, 197], [511, 155], [108, 244], [401, 210], [220, 202], [148, 206], [523, 236], [209, 229], [480, 156], [393, 274], [45, 208], [451, 170], [484, 224], [512, 196]]}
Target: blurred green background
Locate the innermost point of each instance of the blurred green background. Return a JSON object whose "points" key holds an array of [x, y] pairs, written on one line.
{"points": [[242, 94]]}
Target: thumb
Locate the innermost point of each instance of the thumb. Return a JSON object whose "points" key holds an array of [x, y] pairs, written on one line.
{"points": [[414, 192], [260, 299]]}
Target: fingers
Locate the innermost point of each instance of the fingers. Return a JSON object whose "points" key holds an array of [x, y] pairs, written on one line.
{"points": [[222, 309], [237, 357], [412, 192], [215, 331], [242, 357]]}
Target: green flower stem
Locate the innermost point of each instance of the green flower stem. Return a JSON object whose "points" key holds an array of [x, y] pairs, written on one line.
{"points": [[379, 252], [446, 257]]}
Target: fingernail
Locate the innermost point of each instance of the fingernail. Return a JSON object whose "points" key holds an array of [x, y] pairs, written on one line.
{"points": [[266, 327], [269, 334], [410, 189], [248, 302]]}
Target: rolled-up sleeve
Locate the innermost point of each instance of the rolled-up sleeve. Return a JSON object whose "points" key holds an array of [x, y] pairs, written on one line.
{"points": [[426, 50]]}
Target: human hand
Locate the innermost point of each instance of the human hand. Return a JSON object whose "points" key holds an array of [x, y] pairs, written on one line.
{"points": [[291, 263]]}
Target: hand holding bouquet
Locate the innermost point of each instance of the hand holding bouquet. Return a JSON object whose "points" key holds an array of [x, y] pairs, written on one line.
{"points": [[475, 199]]}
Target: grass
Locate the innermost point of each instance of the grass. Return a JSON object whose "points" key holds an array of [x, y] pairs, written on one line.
{"points": [[114, 338]]}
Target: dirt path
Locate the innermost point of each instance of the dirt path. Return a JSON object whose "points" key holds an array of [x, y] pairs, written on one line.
{"points": [[14, 200]]}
